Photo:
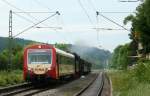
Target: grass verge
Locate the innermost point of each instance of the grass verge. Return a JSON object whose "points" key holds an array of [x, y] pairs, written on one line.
{"points": [[125, 83], [10, 78]]}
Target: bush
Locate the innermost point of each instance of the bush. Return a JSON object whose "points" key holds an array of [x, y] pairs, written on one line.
{"points": [[10, 78], [122, 82], [142, 71], [125, 83]]}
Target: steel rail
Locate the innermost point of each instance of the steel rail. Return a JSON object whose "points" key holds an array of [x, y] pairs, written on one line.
{"points": [[27, 89], [22, 89], [9, 88], [86, 87], [18, 91], [101, 86], [13, 88]]}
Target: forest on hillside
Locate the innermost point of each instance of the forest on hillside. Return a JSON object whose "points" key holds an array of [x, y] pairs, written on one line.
{"points": [[4, 42]]}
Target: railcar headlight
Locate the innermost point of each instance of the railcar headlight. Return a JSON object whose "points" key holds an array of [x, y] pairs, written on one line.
{"points": [[49, 68], [29, 68]]}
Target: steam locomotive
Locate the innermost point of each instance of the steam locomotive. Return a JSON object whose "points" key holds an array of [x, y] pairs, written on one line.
{"points": [[44, 61]]}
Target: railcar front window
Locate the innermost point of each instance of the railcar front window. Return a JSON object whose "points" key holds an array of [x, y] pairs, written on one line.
{"points": [[37, 57]]}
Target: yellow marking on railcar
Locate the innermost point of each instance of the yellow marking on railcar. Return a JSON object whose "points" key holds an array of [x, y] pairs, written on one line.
{"points": [[39, 69]]}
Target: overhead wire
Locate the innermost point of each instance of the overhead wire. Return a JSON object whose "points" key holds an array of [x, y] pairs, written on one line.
{"points": [[90, 20], [108, 29], [97, 20], [24, 18], [92, 5], [129, 0], [28, 14], [34, 25], [113, 21], [11, 5], [28, 20], [99, 13], [41, 4], [116, 12], [33, 12], [85, 11]]}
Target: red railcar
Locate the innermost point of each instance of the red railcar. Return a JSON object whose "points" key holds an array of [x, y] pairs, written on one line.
{"points": [[46, 61], [43, 61]]}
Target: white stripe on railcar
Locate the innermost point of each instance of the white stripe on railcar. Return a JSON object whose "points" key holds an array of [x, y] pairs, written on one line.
{"points": [[61, 52]]}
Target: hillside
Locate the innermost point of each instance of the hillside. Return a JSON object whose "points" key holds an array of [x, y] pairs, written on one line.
{"points": [[4, 42], [99, 57]]}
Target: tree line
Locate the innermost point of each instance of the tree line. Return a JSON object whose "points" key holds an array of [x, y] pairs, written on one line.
{"points": [[17, 58], [140, 31], [126, 55]]}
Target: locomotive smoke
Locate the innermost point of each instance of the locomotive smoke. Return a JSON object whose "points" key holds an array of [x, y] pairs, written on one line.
{"points": [[80, 48], [92, 54]]}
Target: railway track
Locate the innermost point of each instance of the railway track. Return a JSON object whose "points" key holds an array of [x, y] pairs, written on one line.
{"points": [[13, 87], [11, 90], [25, 89], [94, 88], [29, 89]]}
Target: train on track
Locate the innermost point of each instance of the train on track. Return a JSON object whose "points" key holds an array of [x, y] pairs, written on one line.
{"points": [[44, 61]]}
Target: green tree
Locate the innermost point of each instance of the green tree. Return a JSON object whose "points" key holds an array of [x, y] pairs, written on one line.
{"points": [[120, 58], [115, 57], [4, 60], [17, 58], [141, 25]]}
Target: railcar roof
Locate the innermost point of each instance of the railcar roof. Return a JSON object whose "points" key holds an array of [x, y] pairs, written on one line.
{"points": [[61, 52]]}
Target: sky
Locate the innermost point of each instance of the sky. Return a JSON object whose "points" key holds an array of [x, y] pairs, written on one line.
{"points": [[76, 23]]}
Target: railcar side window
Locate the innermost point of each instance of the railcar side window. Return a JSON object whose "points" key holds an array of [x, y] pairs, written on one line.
{"points": [[39, 57], [67, 60]]}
